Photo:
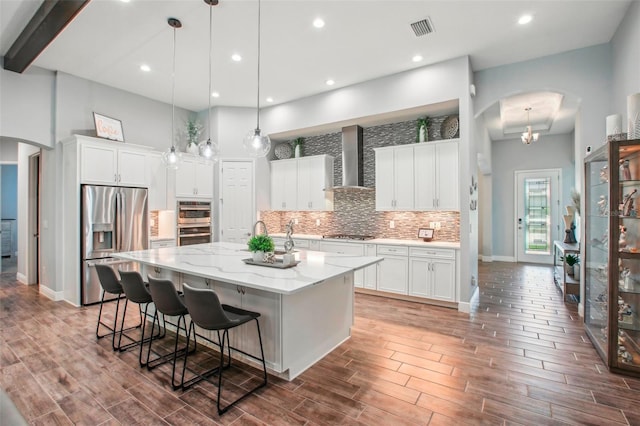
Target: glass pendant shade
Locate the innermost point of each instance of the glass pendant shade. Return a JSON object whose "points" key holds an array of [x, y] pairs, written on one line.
{"points": [[209, 149], [256, 144], [529, 136], [171, 158]]}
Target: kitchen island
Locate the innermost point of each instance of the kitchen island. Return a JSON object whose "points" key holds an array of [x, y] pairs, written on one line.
{"points": [[306, 311]]}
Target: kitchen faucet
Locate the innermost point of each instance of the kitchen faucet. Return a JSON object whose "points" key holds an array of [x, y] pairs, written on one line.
{"points": [[264, 227]]}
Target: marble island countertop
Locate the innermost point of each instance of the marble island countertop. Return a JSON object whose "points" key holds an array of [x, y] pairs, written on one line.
{"points": [[391, 241], [223, 262]]}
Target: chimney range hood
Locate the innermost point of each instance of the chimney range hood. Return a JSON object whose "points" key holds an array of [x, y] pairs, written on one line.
{"points": [[352, 160]]}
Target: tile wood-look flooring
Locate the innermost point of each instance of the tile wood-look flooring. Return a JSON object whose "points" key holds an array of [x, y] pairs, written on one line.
{"points": [[522, 358]]}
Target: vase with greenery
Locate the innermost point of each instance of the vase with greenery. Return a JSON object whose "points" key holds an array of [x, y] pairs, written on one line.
{"points": [[572, 261], [297, 146], [423, 129], [193, 130], [259, 245]]}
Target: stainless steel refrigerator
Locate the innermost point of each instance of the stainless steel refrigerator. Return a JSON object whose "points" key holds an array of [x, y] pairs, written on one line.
{"points": [[114, 219]]}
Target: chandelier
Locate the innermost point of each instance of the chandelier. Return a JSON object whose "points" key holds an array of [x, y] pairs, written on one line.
{"points": [[528, 136]]}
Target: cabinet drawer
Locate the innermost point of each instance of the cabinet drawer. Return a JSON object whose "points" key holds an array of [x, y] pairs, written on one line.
{"points": [[437, 253], [163, 243], [393, 250]]}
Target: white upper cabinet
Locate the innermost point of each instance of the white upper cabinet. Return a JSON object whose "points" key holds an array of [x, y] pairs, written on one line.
{"points": [[284, 182], [394, 178], [315, 176], [436, 176], [157, 181], [194, 178], [300, 183], [107, 164]]}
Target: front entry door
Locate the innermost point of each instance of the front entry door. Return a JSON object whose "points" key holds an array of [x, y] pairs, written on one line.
{"points": [[237, 211], [537, 214]]}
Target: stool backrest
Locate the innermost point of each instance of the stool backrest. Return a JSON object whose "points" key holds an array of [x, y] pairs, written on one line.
{"points": [[108, 279], [166, 297], [134, 287], [205, 308]]}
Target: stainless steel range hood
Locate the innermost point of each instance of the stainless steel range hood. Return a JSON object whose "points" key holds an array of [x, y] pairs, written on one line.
{"points": [[352, 160]]}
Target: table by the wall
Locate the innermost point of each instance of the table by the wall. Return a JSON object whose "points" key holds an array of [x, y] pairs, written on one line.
{"points": [[566, 283]]}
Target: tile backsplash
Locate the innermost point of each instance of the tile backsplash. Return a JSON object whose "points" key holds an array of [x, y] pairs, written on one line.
{"points": [[354, 213]]}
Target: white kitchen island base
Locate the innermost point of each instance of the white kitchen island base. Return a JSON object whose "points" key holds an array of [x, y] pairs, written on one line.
{"points": [[306, 311]]}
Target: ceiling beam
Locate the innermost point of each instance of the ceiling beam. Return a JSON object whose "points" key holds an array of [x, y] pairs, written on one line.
{"points": [[48, 21]]}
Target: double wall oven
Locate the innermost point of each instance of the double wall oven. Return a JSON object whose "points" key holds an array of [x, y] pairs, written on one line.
{"points": [[194, 222]]}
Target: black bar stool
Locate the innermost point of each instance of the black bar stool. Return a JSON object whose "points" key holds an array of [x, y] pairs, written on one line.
{"points": [[136, 291], [208, 313], [110, 284], [168, 301]]}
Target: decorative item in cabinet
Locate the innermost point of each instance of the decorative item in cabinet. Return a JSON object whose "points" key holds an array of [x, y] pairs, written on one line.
{"points": [[612, 254]]}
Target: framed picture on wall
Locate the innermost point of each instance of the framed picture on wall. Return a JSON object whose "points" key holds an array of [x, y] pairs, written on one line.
{"points": [[108, 128]]}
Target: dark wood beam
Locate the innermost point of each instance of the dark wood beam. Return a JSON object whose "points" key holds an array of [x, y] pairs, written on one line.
{"points": [[49, 21]]}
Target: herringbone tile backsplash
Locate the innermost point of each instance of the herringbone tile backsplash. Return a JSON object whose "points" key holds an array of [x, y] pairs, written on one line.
{"points": [[354, 211]]}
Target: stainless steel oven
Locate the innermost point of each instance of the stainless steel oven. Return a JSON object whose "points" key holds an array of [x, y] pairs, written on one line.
{"points": [[194, 222]]}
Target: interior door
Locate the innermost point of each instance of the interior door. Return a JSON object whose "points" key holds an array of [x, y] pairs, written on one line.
{"points": [[237, 211], [537, 214]]}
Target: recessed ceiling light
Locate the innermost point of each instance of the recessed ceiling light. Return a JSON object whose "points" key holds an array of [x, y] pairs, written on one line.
{"points": [[525, 19], [417, 58], [318, 23], [215, 95], [125, 1], [330, 82], [269, 99], [236, 57], [145, 68]]}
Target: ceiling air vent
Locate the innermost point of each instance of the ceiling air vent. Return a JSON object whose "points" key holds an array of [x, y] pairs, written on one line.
{"points": [[422, 27]]}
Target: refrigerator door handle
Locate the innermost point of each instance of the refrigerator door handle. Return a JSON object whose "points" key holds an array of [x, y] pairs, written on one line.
{"points": [[117, 217]]}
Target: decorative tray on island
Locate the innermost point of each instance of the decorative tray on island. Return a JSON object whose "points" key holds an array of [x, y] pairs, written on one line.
{"points": [[277, 264]]}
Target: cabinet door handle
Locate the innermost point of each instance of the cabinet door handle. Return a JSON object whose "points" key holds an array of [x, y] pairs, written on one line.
{"points": [[119, 177], [115, 177], [238, 289]]}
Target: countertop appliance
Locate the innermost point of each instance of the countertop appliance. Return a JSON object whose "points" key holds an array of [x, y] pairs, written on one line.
{"points": [[349, 237], [114, 219], [194, 222]]}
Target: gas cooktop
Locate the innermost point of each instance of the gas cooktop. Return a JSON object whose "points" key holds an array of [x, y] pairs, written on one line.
{"points": [[349, 237]]}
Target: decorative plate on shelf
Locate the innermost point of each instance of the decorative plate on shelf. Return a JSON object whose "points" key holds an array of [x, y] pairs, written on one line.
{"points": [[283, 151], [449, 127]]}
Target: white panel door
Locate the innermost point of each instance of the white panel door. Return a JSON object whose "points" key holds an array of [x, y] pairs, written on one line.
{"points": [[99, 165], [131, 168], [403, 172], [447, 176], [237, 212]]}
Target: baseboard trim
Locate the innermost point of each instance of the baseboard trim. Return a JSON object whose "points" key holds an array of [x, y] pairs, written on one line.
{"points": [[581, 309], [22, 278], [51, 294], [468, 307], [504, 259], [487, 259]]}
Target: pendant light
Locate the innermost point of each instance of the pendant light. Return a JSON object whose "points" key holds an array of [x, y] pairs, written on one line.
{"points": [[208, 148], [171, 158], [528, 136], [255, 143]]}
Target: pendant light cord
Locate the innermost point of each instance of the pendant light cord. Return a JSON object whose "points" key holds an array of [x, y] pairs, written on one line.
{"points": [[173, 89], [258, 98], [210, 48]]}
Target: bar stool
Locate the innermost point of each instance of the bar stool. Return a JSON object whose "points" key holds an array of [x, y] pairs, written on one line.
{"points": [[168, 301], [208, 313], [136, 291], [110, 284]]}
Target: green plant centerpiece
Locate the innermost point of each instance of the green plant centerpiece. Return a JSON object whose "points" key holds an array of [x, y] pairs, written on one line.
{"points": [[422, 129], [571, 260], [259, 245], [192, 130], [297, 146]]}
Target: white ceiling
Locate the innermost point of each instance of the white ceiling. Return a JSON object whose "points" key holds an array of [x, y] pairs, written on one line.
{"points": [[362, 40]]}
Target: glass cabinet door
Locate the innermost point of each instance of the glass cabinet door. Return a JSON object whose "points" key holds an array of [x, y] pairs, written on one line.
{"points": [[596, 240]]}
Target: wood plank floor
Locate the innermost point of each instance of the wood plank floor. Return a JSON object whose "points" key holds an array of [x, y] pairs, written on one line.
{"points": [[521, 358]]}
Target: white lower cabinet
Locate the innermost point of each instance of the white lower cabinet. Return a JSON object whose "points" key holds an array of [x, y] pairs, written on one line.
{"points": [[370, 272], [355, 249], [432, 273], [393, 275], [169, 242], [245, 337]]}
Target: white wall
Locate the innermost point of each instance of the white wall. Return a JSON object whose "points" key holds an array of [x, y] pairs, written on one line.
{"points": [[510, 155], [26, 106], [8, 152], [626, 61]]}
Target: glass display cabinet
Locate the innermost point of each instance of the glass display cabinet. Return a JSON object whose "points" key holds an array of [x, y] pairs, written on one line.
{"points": [[612, 254]]}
